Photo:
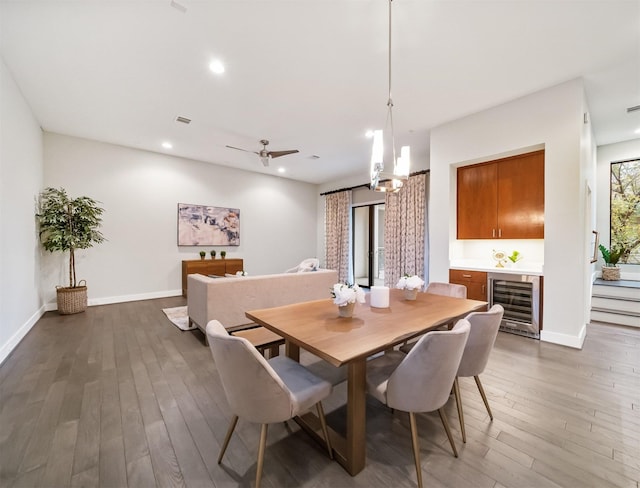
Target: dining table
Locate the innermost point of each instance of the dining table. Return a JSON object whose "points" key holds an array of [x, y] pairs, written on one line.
{"points": [[316, 327]]}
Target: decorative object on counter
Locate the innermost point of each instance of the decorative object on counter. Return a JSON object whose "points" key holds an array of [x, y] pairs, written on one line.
{"points": [[610, 270], [411, 285], [345, 297], [242, 273], [202, 254], [68, 224], [515, 257], [379, 297], [223, 254], [500, 257], [213, 254]]}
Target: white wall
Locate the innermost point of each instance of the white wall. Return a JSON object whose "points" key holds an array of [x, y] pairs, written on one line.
{"points": [[552, 119], [140, 192], [20, 181], [606, 155]]}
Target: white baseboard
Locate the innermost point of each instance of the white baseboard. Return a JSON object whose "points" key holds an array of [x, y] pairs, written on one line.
{"points": [[565, 339], [15, 339], [123, 298]]}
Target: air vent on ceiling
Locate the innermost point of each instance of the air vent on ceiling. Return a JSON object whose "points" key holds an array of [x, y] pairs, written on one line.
{"points": [[177, 6], [184, 120], [633, 109]]}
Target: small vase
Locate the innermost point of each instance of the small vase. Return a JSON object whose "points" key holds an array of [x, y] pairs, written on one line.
{"points": [[346, 310], [610, 273], [410, 294]]}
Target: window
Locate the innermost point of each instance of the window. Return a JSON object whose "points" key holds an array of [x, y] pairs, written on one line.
{"points": [[625, 210]]}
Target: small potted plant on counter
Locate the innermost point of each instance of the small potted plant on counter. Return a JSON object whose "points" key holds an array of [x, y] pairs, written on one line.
{"points": [[202, 254], [515, 257], [213, 254], [223, 254], [610, 270]]}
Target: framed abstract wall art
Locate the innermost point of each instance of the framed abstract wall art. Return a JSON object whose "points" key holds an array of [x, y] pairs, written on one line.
{"points": [[202, 225]]}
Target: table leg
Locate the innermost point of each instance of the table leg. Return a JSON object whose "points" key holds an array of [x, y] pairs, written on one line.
{"points": [[292, 350], [356, 417]]}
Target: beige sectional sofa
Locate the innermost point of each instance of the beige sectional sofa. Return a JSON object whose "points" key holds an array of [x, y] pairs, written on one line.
{"points": [[227, 299]]}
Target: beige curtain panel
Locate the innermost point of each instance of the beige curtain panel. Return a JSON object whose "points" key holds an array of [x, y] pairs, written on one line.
{"points": [[336, 222], [404, 230]]}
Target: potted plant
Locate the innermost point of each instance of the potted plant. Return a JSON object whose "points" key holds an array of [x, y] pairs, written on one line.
{"points": [[202, 254], [213, 254], [515, 257], [345, 296], [610, 270], [411, 285], [223, 254], [67, 224]]}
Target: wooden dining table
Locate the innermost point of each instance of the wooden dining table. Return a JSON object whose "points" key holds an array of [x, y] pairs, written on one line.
{"points": [[316, 327]]}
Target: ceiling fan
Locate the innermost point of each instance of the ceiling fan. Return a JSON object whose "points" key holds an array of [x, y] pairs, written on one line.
{"points": [[265, 155]]}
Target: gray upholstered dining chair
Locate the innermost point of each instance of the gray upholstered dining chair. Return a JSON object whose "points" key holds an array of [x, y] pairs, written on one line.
{"points": [[444, 289], [263, 391], [421, 380], [447, 289], [482, 337]]}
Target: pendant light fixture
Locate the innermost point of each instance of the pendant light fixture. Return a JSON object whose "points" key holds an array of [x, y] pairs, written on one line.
{"points": [[381, 180]]}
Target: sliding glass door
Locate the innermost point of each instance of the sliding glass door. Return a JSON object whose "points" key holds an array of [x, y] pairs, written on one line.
{"points": [[368, 244]]}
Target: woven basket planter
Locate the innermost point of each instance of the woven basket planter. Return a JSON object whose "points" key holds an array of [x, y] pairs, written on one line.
{"points": [[72, 300], [610, 273]]}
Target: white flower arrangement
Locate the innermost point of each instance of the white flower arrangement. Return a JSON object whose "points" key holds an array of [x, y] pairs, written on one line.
{"points": [[344, 294], [410, 282], [241, 273]]}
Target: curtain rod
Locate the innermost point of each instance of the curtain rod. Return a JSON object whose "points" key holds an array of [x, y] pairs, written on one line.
{"points": [[422, 172]]}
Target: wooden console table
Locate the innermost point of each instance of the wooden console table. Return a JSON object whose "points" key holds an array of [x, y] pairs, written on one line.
{"points": [[218, 267]]}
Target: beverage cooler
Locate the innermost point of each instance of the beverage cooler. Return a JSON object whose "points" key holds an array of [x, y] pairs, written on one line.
{"points": [[519, 295]]}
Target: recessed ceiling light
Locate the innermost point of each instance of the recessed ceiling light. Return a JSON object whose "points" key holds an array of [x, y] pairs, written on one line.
{"points": [[368, 134], [637, 131], [216, 66], [281, 170], [167, 145]]}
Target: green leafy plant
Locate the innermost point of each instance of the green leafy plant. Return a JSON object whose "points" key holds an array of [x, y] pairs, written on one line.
{"points": [[67, 224], [610, 256], [515, 257], [202, 254], [213, 254], [223, 254]]}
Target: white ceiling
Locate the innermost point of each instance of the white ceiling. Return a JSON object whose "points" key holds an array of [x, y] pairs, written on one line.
{"points": [[310, 74]]}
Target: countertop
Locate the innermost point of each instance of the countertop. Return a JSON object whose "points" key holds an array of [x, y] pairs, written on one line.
{"points": [[526, 268]]}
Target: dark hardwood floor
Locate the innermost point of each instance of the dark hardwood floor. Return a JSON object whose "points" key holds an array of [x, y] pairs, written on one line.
{"points": [[117, 396]]}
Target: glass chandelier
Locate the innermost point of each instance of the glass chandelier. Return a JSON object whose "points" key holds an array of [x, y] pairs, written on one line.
{"points": [[381, 180]]}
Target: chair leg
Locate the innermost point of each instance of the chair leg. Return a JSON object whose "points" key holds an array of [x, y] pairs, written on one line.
{"points": [[232, 426], [416, 447], [443, 417], [325, 431], [263, 443], [456, 392], [274, 351], [484, 397]]}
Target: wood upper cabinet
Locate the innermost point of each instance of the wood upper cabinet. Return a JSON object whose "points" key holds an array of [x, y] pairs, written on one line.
{"points": [[502, 199], [477, 201]]}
